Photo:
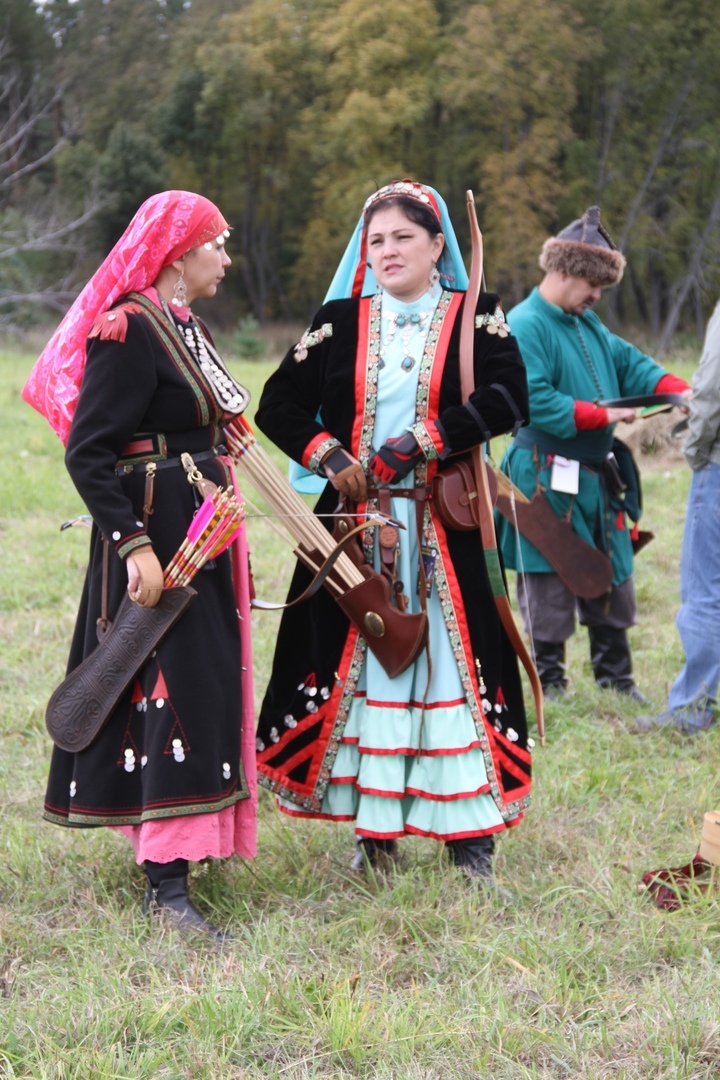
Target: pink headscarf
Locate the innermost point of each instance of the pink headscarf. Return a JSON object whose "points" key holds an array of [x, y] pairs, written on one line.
{"points": [[165, 227]]}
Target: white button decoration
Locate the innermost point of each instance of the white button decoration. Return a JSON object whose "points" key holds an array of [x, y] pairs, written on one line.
{"points": [[73, 789], [226, 770], [116, 535]]}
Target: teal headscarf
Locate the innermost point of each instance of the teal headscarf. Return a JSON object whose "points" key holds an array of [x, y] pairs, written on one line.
{"points": [[349, 279]]}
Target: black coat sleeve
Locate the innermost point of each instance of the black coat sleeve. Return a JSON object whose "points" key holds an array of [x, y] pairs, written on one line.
{"points": [[499, 402], [291, 400], [118, 383]]}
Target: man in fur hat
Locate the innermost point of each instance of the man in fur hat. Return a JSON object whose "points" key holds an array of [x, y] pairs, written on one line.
{"points": [[573, 362]]}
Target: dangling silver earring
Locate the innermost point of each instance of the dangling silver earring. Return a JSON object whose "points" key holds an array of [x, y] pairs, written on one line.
{"points": [[434, 275], [179, 296]]}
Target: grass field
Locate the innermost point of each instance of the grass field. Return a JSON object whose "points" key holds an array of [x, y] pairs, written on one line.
{"points": [[414, 976]]}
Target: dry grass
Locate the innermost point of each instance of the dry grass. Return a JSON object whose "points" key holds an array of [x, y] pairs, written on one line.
{"points": [[413, 976]]}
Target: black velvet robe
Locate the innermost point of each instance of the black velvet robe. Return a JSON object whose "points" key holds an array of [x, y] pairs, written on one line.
{"points": [[330, 394], [137, 391]]}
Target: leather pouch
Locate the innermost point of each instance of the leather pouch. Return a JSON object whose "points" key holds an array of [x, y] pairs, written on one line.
{"points": [[82, 704], [454, 494]]}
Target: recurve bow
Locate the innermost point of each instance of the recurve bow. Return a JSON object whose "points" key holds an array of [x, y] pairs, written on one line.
{"points": [[485, 506]]}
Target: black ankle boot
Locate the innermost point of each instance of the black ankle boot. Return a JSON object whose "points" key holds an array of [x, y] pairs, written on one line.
{"points": [[551, 667], [375, 852], [474, 856], [611, 661], [167, 889]]}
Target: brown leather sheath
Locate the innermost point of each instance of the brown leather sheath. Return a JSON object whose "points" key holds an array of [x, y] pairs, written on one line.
{"points": [[586, 571], [396, 638], [82, 704]]}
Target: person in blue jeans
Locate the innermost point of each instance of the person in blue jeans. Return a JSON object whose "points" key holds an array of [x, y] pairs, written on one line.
{"points": [[693, 696]]}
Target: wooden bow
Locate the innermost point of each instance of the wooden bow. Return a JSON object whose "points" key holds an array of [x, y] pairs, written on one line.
{"points": [[485, 506]]}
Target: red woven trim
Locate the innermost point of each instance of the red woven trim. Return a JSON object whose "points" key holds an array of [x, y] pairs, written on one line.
{"points": [[405, 751], [372, 703], [361, 366], [379, 835], [433, 433], [379, 792], [414, 752], [343, 779], [484, 790], [331, 707], [411, 829], [317, 816], [441, 350], [349, 740], [312, 445]]}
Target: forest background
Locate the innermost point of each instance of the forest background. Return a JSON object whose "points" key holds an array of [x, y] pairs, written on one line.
{"points": [[290, 114]]}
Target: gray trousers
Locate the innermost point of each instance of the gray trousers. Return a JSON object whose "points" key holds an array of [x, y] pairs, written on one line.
{"points": [[548, 607]]}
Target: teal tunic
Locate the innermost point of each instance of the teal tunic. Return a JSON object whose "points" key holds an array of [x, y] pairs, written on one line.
{"points": [[571, 358]]}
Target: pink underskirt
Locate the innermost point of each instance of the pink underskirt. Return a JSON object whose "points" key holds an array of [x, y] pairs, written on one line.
{"points": [[232, 831]]}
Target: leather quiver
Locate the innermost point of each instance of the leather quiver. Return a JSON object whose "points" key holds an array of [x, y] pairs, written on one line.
{"points": [[394, 637], [82, 704], [585, 570]]}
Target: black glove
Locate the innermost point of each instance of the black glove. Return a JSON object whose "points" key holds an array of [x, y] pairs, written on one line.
{"points": [[396, 458]]}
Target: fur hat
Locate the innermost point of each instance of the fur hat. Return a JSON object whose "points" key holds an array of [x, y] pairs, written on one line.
{"points": [[584, 249]]}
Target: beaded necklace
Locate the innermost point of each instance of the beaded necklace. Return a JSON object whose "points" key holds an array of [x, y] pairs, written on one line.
{"points": [[229, 394]]}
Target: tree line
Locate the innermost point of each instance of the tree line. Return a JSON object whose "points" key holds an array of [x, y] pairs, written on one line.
{"points": [[288, 114]]}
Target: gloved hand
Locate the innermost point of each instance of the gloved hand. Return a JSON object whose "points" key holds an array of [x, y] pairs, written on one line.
{"points": [[145, 576], [396, 458], [345, 474]]}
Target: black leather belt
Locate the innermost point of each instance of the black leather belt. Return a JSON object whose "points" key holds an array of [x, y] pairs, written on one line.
{"points": [[168, 463]]}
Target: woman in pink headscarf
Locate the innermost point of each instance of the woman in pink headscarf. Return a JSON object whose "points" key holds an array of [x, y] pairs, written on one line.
{"points": [[131, 381]]}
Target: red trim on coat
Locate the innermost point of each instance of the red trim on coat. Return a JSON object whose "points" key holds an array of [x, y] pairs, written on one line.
{"points": [[315, 816], [343, 779], [318, 745], [289, 735], [484, 790], [438, 367], [518, 751], [410, 751], [379, 835], [380, 792], [415, 704], [412, 830], [361, 366], [310, 448], [298, 757]]}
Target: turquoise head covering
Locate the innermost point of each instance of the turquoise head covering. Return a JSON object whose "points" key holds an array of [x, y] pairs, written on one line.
{"points": [[349, 279], [354, 277]]}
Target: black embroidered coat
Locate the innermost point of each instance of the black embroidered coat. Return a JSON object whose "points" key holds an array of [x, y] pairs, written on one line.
{"points": [[172, 747], [329, 395]]}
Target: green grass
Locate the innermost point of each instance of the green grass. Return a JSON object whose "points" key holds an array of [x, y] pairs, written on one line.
{"points": [[414, 975]]}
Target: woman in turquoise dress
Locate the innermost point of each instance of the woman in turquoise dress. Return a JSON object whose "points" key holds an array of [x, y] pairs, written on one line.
{"points": [[369, 399]]}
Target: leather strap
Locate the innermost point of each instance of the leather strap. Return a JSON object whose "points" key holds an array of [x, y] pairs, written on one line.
{"points": [[103, 623]]}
